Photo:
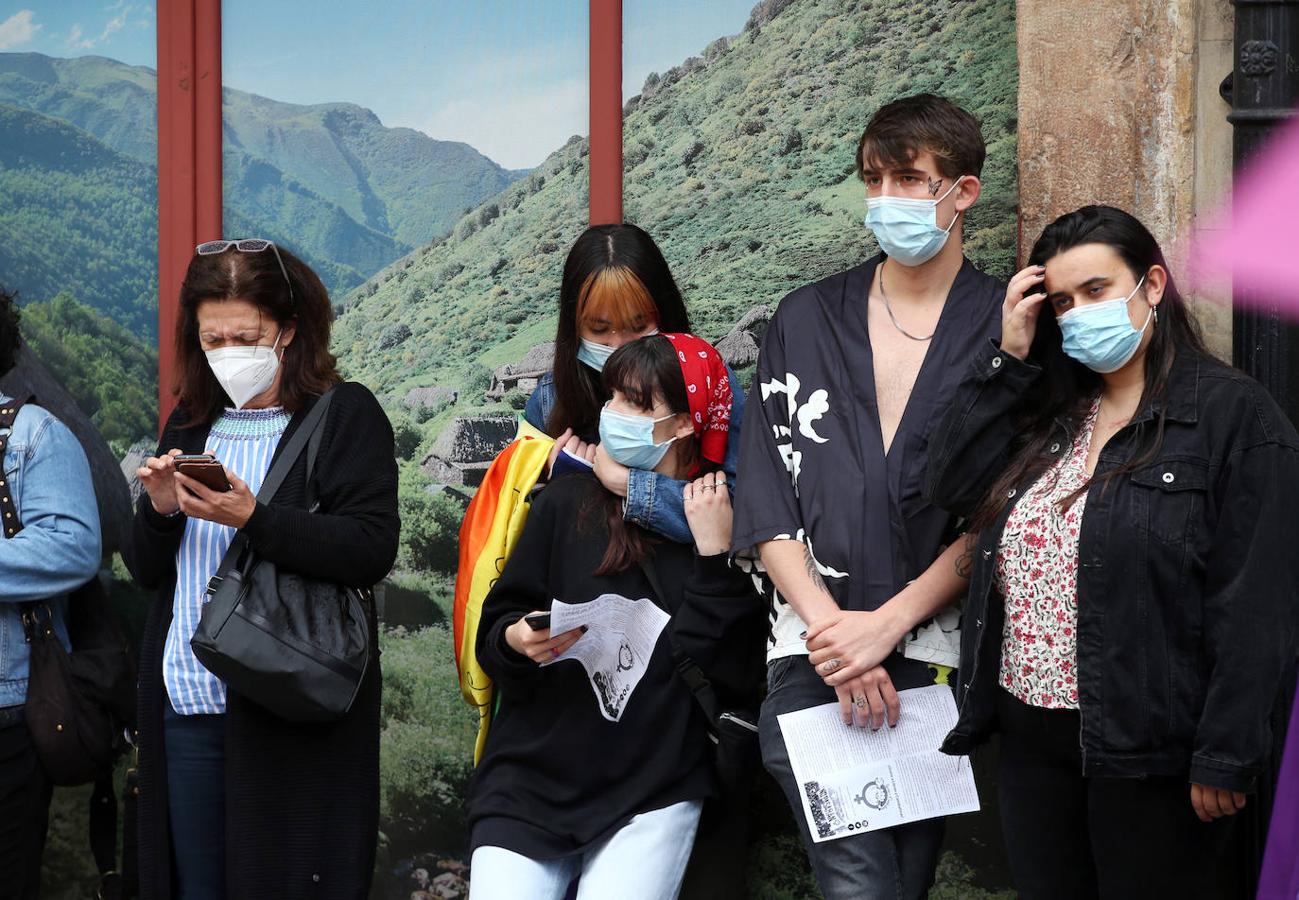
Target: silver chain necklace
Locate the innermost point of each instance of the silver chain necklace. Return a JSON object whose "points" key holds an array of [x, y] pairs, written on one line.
{"points": [[893, 318]]}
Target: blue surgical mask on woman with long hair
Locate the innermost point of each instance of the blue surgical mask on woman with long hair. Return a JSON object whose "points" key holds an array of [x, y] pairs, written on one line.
{"points": [[629, 439], [595, 354], [907, 229], [1100, 335]]}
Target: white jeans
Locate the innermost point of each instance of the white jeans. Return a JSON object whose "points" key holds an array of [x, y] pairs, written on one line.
{"points": [[644, 860]]}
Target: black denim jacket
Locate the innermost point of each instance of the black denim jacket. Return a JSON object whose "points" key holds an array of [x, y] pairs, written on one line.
{"points": [[1188, 573]]}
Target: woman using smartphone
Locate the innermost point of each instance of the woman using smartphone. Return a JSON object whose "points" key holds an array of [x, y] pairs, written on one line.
{"points": [[234, 800], [587, 775], [1131, 613]]}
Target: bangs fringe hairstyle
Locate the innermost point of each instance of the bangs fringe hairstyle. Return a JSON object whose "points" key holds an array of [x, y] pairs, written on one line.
{"points": [[644, 371], [1063, 394], [307, 367], [616, 297], [901, 130], [613, 272]]}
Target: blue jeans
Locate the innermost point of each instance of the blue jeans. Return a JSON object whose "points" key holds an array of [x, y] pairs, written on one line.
{"points": [[891, 864], [196, 802], [644, 860]]}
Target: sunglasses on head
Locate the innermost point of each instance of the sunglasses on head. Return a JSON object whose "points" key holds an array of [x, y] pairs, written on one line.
{"points": [[246, 245]]}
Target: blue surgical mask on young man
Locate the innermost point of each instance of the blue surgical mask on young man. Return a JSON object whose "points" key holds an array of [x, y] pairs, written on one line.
{"points": [[1100, 335], [595, 354], [907, 229], [629, 440]]}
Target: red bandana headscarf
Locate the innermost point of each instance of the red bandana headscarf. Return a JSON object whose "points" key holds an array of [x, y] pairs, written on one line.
{"points": [[708, 390]]}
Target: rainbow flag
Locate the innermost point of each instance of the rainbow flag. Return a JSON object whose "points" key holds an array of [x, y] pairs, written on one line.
{"points": [[491, 528]]}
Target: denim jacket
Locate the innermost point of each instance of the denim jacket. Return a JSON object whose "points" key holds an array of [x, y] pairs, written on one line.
{"points": [[58, 548], [653, 501], [1187, 572]]}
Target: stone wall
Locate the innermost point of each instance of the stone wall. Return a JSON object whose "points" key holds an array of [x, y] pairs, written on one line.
{"points": [[1118, 104]]}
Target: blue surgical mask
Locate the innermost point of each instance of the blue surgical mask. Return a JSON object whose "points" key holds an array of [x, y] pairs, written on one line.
{"points": [[595, 354], [630, 439], [907, 229], [1100, 335]]}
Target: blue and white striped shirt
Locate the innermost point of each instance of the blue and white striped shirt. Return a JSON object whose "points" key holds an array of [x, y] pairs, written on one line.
{"points": [[244, 440]]}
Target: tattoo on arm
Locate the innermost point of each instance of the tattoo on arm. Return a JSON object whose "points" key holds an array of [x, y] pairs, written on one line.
{"points": [[934, 185], [812, 571], [965, 562]]}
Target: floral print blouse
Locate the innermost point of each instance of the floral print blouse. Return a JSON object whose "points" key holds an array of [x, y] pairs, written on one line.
{"points": [[1037, 574]]}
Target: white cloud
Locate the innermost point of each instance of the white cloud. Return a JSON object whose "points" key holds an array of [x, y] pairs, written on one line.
{"points": [[18, 29], [518, 129], [78, 41], [75, 39]]}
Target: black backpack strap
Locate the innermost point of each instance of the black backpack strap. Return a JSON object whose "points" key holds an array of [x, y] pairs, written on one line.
{"points": [[687, 668], [306, 434], [9, 510]]}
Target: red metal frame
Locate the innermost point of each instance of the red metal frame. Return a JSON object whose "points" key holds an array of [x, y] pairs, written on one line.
{"points": [[189, 146], [189, 158], [606, 112]]}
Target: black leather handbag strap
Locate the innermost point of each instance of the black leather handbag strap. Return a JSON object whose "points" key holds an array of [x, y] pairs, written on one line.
{"points": [[307, 437], [687, 668]]}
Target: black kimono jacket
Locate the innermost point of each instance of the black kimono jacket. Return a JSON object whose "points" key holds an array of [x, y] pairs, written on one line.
{"points": [[812, 463]]}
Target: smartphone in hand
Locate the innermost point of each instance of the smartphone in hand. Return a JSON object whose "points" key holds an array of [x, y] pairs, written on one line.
{"points": [[538, 621], [204, 469]]}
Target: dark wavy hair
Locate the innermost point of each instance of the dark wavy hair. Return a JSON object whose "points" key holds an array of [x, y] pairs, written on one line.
{"points": [[1063, 395], [308, 368], [10, 335], [604, 249], [901, 130]]}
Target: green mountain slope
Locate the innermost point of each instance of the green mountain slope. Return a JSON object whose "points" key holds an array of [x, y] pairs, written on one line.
{"points": [[112, 373], [394, 180], [330, 181], [77, 217], [739, 162]]}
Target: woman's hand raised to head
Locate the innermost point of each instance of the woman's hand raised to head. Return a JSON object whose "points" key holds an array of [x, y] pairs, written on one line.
{"points": [[1019, 311], [233, 507], [156, 479], [538, 645], [708, 511]]}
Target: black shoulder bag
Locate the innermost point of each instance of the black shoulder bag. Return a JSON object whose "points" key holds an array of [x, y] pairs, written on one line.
{"points": [[79, 705], [717, 868], [296, 646]]}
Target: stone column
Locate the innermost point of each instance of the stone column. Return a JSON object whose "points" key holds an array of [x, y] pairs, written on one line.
{"points": [[1118, 104]]}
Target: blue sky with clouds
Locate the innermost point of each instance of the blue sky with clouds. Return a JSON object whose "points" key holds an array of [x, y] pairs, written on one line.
{"points": [[508, 77]]}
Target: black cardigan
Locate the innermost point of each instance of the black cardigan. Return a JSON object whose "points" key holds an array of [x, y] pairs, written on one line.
{"points": [[556, 776], [302, 801]]}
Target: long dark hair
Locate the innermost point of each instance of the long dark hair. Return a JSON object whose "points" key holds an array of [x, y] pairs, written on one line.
{"points": [[1062, 396], [627, 267], [643, 371], [308, 368]]}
